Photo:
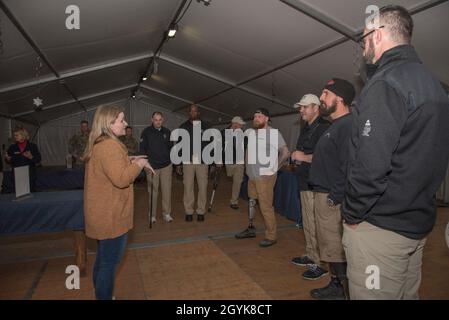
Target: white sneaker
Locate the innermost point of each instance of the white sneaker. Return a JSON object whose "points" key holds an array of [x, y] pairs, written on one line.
{"points": [[168, 218], [153, 220]]}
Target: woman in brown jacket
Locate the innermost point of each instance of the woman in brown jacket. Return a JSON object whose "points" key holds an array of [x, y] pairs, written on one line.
{"points": [[108, 194]]}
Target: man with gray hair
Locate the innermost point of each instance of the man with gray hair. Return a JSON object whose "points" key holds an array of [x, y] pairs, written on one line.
{"points": [[398, 156], [236, 169]]}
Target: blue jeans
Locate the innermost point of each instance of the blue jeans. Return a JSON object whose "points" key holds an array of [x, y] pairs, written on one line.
{"points": [[109, 254]]}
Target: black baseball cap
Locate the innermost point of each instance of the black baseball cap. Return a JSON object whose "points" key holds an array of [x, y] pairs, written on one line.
{"points": [[263, 111], [341, 88]]}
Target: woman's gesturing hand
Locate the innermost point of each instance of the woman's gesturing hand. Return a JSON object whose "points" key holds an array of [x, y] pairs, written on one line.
{"points": [[143, 163], [148, 168]]}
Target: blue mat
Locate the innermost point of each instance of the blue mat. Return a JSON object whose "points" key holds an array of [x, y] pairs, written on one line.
{"points": [[43, 212], [52, 179]]}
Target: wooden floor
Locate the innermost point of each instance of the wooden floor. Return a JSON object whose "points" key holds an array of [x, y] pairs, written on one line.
{"points": [[180, 260]]}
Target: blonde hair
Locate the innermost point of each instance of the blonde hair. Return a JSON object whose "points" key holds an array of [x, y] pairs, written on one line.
{"points": [[22, 132], [104, 117]]}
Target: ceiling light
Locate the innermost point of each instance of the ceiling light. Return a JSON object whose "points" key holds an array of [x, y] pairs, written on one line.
{"points": [[172, 30]]}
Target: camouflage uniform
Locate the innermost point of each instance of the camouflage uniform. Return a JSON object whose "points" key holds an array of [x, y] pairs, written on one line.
{"points": [[77, 145], [131, 144]]}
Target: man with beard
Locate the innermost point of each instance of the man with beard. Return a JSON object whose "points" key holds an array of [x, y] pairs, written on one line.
{"points": [[262, 176], [195, 167], [398, 158], [327, 180]]}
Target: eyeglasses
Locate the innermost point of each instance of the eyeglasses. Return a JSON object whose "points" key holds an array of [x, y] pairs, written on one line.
{"points": [[361, 41]]}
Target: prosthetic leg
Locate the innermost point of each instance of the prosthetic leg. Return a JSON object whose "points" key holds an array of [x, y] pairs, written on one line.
{"points": [[249, 232]]}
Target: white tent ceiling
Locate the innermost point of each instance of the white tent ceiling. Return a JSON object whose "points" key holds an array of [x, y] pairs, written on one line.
{"points": [[229, 57]]}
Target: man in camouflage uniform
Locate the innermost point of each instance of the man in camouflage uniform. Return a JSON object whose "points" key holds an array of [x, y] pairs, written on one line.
{"points": [[130, 142], [78, 142]]}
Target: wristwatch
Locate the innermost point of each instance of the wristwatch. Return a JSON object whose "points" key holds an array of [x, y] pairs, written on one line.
{"points": [[330, 202]]}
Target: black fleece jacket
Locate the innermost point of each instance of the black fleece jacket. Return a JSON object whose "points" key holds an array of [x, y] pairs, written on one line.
{"points": [[156, 145], [399, 147], [330, 159]]}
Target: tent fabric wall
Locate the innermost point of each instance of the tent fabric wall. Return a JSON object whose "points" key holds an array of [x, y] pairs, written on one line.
{"points": [[53, 136], [5, 131], [290, 127], [141, 112]]}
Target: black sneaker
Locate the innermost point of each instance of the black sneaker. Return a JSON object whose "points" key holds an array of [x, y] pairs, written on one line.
{"points": [[249, 232], [314, 273], [265, 243], [303, 261], [189, 217], [200, 217], [234, 206], [333, 291]]}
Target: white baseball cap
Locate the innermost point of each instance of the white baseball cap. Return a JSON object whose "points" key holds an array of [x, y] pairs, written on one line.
{"points": [[307, 100], [238, 120]]}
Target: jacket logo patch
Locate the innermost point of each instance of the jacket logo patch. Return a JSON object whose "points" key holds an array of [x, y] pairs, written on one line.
{"points": [[367, 129], [328, 135]]}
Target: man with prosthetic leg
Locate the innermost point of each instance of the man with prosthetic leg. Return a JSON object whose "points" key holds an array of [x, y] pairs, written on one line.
{"points": [[249, 232], [262, 174]]}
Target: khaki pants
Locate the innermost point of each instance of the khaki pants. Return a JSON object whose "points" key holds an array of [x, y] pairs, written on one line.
{"points": [[235, 171], [164, 177], [329, 229], [189, 173], [309, 225], [262, 189], [397, 258]]}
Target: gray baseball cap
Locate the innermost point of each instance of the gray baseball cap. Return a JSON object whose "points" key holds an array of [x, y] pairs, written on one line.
{"points": [[307, 100], [238, 120]]}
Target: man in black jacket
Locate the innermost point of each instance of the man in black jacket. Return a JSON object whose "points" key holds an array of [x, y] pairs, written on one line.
{"points": [[155, 143], [313, 129], [398, 156], [196, 167], [327, 180]]}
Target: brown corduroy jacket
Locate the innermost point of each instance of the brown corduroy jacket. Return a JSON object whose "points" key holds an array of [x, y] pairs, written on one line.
{"points": [[108, 191]]}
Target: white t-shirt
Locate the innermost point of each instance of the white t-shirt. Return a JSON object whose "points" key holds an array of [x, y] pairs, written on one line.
{"points": [[263, 152]]}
